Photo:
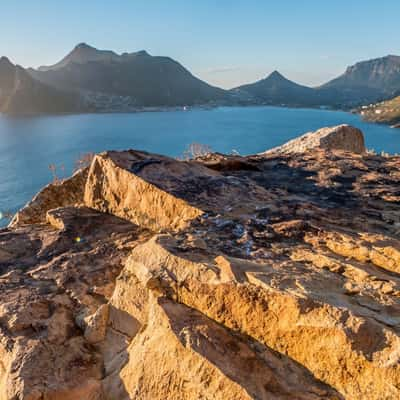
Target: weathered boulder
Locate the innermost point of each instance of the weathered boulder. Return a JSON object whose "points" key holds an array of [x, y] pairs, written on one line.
{"points": [[342, 137], [131, 185], [159, 192]]}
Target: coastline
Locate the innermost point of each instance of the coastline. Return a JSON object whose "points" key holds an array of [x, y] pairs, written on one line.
{"points": [[224, 129], [155, 109]]}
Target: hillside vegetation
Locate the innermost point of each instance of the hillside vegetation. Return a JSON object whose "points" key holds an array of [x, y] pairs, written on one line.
{"points": [[387, 112]]}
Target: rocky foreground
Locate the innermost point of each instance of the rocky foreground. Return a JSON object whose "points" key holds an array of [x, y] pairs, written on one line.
{"points": [[272, 276]]}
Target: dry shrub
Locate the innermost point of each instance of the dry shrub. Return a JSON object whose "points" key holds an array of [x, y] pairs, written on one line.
{"points": [[54, 172], [195, 150], [84, 161], [7, 215]]}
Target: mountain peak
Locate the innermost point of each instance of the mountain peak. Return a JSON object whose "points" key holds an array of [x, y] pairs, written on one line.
{"points": [[393, 57], [83, 53], [277, 90], [390, 58], [135, 54], [5, 61], [142, 53], [84, 48], [84, 45], [275, 75], [7, 69]]}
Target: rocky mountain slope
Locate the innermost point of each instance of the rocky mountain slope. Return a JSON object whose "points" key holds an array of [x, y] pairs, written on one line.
{"points": [[83, 54], [92, 80], [272, 276], [380, 75], [22, 94], [362, 83], [368, 81], [131, 79]]}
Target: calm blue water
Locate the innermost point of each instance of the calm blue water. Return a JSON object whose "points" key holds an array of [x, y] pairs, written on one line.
{"points": [[29, 145]]}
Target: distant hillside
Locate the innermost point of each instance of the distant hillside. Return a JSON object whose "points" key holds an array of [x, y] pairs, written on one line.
{"points": [[139, 78], [382, 74], [362, 83], [276, 89], [387, 112], [88, 79], [368, 81], [22, 94]]}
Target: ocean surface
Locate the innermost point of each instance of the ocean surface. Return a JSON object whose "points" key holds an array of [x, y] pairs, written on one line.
{"points": [[29, 145]]}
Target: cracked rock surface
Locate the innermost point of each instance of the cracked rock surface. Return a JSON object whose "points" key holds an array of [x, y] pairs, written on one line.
{"points": [[273, 276]]}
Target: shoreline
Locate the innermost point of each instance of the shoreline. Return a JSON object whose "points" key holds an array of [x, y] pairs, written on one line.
{"points": [[173, 109], [229, 114]]}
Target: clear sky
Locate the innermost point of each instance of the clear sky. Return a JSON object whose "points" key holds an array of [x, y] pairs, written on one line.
{"points": [[226, 43]]}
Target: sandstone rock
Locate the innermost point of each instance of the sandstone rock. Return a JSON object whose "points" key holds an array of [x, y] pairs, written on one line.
{"points": [[201, 359], [342, 137], [263, 277], [96, 325], [158, 192], [44, 354], [130, 185], [67, 193]]}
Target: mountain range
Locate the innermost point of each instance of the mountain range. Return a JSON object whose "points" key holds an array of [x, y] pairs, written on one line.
{"points": [[363, 83], [92, 80], [131, 79]]}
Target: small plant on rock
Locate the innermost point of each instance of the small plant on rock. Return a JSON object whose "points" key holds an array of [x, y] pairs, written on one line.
{"points": [[7, 215], [54, 171], [83, 161], [195, 150]]}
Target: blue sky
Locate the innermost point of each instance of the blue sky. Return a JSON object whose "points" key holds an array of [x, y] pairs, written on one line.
{"points": [[227, 43]]}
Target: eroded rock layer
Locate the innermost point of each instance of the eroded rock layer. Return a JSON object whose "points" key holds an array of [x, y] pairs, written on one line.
{"points": [[273, 276]]}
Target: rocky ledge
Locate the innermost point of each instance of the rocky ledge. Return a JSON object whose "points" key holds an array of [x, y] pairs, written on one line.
{"points": [[272, 276]]}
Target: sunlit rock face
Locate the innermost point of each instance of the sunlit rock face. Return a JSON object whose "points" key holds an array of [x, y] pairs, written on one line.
{"points": [[273, 276], [69, 192], [342, 137], [143, 188]]}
